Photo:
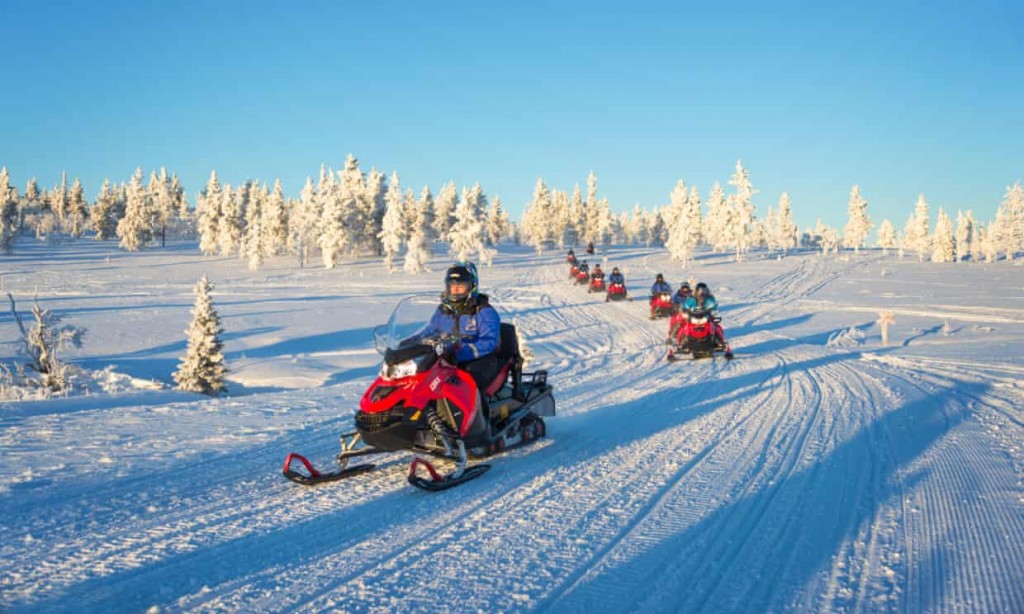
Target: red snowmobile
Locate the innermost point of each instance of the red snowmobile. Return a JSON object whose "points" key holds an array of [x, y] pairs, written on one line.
{"points": [[617, 292], [661, 305], [582, 278], [421, 402], [574, 270], [597, 284], [699, 334]]}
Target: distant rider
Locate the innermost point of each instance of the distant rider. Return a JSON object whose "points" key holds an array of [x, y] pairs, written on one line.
{"points": [[571, 257], [598, 273], [615, 278], [659, 287]]}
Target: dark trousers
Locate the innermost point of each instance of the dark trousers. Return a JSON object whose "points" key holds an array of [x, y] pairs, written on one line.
{"points": [[483, 370]]}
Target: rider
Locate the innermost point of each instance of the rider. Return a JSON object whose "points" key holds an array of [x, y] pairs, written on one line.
{"points": [[659, 287], [678, 300], [571, 257], [590, 248], [613, 279], [467, 314], [703, 300], [597, 274], [584, 268]]}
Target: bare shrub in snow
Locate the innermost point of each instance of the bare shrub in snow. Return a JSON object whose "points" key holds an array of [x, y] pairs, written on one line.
{"points": [[885, 319], [42, 343]]}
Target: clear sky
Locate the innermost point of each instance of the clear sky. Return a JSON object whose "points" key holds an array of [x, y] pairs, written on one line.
{"points": [[898, 97]]}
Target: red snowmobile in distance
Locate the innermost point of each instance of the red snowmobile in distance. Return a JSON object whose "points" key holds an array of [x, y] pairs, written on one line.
{"points": [[699, 334], [661, 305], [422, 403], [582, 278], [617, 292], [597, 284], [574, 270]]}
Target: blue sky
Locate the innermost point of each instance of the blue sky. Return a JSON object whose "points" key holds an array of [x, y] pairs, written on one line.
{"points": [[898, 97]]}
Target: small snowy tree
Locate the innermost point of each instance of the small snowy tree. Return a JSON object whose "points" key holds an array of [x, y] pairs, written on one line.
{"points": [[42, 342], [943, 243], [417, 252], [917, 235], [964, 235], [859, 225], [444, 210], [466, 235], [535, 219], [887, 236], [393, 232], [135, 229], [8, 213], [742, 204], [208, 213], [497, 222], [679, 217], [202, 368], [1013, 207]]}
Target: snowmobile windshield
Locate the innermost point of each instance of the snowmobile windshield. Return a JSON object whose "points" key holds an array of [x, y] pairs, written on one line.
{"points": [[409, 324]]}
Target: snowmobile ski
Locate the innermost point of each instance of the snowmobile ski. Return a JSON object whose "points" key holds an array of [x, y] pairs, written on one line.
{"points": [[313, 477]]}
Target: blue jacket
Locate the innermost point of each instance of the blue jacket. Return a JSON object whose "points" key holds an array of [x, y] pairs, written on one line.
{"points": [[678, 299], [479, 329], [660, 287], [710, 304], [616, 278]]}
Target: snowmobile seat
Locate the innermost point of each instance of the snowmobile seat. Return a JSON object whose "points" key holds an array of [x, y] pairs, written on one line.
{"points": [[510, 360]]}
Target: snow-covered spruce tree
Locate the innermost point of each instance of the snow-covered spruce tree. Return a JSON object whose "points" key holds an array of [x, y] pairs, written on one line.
{"points": [[101, 216], [135, 230], [78, 210], [536, 228], [675, 220], [231, 226], [8, 213], [42, 342], [333, 227], [466, 235], [592, 213], [577, 216], [787, 233], [162, 204], [302, 222], [202, 369], [497, 222], [560, 222], [855, 233], [417, 252], [444, 210], [917, 235], [393, 233], [1000, 235], [887, 236], [1013, 205], [742, 205], [964, 235], [251, 246], [943, 243], [374, 203], [275, 222], [717, 219]]}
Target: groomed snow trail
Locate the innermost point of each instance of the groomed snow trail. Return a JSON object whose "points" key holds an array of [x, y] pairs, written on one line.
{"points": [[801, 476]]}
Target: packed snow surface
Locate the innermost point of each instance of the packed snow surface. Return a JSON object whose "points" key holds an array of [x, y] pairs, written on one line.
{"points": [[820, 470]]}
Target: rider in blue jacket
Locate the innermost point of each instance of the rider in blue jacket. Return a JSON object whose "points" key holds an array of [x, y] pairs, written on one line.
{"points": [[660, 286], [466, 314], [701, 299], [683, 293]]}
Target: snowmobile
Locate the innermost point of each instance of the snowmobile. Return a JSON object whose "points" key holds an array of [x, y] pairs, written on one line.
{"points": [[597, 284], [582, 278], [571, 259], [574, 270], [661, 305], [700, 334], [423, 403], [617, 292]]}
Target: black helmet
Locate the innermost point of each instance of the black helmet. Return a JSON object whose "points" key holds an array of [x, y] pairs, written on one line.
{"points": [[460, 273], [702, 288], [659, 277], [615, 269], [684, 286]]}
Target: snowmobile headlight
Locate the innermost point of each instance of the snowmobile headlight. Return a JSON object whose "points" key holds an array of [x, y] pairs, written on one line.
{"points": [[701, 320], [407, 368]]}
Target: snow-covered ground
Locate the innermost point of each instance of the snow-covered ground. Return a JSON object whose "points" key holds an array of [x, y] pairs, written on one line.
{"points": [[820, 470]]}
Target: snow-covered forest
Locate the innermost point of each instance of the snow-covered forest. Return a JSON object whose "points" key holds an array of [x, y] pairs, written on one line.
{"points": [[351, 213]]}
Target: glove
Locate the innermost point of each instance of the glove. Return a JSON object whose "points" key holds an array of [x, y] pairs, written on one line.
{"points": [[447, 349]]}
